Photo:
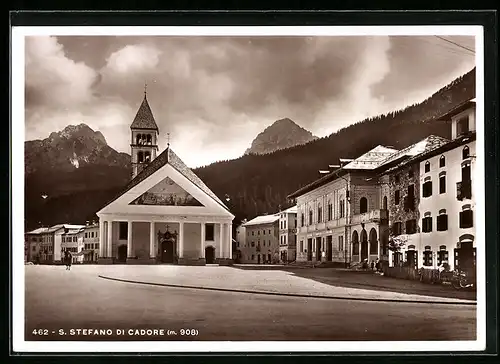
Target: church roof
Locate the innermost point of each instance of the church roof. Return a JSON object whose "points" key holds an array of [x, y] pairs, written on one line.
{"points": [[169, 157], [144, 118]]}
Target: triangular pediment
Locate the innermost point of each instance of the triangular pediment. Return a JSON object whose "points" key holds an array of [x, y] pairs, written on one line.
{"points": [[166, 193]]}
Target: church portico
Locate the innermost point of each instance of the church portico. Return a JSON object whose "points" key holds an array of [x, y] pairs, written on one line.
{"points": [[165, 214], [145, 240]]}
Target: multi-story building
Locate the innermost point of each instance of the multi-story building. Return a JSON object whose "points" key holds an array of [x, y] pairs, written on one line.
{"points": [[262, 240], [91, 243], [241, 236], [448, 196], [288, 234], [50, 243], [32, 244], [400, 191], [340, 215], [72, 240]]}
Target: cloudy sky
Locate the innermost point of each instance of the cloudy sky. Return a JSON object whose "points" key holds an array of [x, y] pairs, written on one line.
{"points": [[215, 94]]}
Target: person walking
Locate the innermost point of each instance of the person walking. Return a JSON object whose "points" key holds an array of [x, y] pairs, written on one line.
{"points": [[69, 259], [372, 265]]}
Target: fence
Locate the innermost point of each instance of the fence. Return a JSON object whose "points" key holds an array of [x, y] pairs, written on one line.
{"points": [[424, 275]]}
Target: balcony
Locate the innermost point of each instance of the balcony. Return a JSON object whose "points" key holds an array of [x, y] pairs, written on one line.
{"points": [[464, 190], [378, 216]]}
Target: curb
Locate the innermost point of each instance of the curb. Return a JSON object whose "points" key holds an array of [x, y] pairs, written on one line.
{"points": [[471, 303]]}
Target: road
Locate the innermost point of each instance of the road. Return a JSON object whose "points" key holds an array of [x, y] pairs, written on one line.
{"points": [[58, 299]]}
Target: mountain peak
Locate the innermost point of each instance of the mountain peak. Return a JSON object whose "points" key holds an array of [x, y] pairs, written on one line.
{"points": [[80, 131], [283, 133]]}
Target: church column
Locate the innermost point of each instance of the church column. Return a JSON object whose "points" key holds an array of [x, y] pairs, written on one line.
{"points": [[230, 237], [152, 253], [129, 240], [181, 239], [221, 240], [202, 242], [102, 238], [109, 240]]}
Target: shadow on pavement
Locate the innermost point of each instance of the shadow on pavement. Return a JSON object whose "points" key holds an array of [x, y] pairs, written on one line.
{"points": [[367, 280]]}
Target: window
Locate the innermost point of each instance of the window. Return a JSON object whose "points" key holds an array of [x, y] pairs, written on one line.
{"points": [[384, 204], [209, 232], [427, 256], [310, 217], [410, 199], [363, 205], [427, 167], [330, 211], [123, 230], [341, 243], [462, 125], [466, 217], [410, 173], [411, 226], [396, 178], [427, 223], [253, 244], [396, 228], [253, 257], [269, 232], [465, 152], [442, 255], [427, 189], [258, 232], [396, 197], [301, 245], [86, 235], [442, 183], [442, 221], [320, 210], [342, 208], [75, 239], [302, 223], [442, 161]]}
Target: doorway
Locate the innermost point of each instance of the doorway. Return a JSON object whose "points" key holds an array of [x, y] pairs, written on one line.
{"points": [[210, 255], [329, 248], [318, 249], [167, 251], [309, 249], [122, 253], [258, 258]]}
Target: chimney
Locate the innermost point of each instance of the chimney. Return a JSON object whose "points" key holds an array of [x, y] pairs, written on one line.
{"points": [[87, 223]]}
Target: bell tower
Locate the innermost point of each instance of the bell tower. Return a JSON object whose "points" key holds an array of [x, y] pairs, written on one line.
{"points": [[144, 137]]}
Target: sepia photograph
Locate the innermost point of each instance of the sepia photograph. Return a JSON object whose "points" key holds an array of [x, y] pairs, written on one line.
{"points": [[248, 188]]}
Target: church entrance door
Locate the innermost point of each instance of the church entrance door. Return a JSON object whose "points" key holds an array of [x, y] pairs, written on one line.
{"points": [[167, 251], [210, 255], [122, 253]]}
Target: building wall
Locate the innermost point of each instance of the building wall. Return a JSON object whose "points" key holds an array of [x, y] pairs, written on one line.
{"points": [[447, 201], [140, 239], [91, 242], [269, 243], [57, 245], [192, 240]]}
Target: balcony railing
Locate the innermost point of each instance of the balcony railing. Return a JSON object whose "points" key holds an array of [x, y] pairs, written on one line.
{"points": [[464, 190], [379, 215]]}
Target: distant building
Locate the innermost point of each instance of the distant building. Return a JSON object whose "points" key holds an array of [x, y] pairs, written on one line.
{"points": [[288, 234], [46, 244], [32, 244], [240, 239], [72, 241], [91, 243], [262, 240]]}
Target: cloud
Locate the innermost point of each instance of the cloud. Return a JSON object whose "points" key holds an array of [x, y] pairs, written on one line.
{"points": [[133, 58], [215, 94]]}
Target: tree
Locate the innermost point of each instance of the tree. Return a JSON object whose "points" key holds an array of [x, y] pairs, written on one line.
{"points": [[396, 244]]}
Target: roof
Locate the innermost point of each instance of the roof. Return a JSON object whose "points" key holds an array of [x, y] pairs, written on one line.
{"points": [[38, 231], [457, 109], [144, 118], [75, 231], [169, 157], [466, 138], [371, 159], [423, 146], [262, 220], [290, 210]]}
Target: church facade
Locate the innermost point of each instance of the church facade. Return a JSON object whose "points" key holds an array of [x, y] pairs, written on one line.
{"points": [[165, 214]]}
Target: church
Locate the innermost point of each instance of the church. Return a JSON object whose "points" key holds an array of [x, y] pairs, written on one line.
{"points": [[165, 214]]}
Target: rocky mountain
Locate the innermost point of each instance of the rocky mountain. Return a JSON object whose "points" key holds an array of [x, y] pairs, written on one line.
{"points": [[75, 169], [71, 148], [282, 134]]}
